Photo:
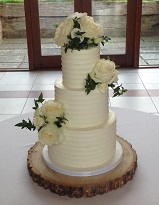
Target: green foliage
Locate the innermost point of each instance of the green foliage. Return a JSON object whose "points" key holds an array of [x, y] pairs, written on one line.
{"points": [[39, 100], [28, 125], [117, 89], [90, 84], [76, 44], [11, 1], [60, 120]]}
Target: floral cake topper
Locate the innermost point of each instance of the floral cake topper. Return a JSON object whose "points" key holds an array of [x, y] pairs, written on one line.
{"points": [[49, 119], [79, 31]]}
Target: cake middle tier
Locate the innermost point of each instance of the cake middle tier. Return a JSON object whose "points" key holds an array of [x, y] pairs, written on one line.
{"points": [[82, 110]]}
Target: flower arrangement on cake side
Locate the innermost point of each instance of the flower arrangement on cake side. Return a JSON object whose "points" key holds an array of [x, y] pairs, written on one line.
{"points": [[49, 120], [104, 75]]}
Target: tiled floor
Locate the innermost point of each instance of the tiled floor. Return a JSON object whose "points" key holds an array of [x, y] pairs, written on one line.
{"points": [[18, 90]]}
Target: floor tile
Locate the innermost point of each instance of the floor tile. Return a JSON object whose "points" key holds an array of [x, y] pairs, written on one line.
{"points": [[47, 78], [152, 86], [46, 93], [6, 117], [126, 77], [15, 87], [12, 106], [144, 104], [14, 94], [136, 93], [18, 79], [43, 87], [128, 70], [156, 102], [23, 74], [149, 77], [153, 92], [30, 104], [148, 70], [133, 86]]}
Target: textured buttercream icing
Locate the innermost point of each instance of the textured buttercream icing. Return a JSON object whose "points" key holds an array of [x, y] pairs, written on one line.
{"points": [[81, 109], [90, 135], [77, 64], [85, 148]]}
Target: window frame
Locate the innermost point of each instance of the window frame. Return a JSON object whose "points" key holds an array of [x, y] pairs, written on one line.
{"points": [[38, 62]]}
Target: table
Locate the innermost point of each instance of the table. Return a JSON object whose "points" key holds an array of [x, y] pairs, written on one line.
{"points": [[17, 187]]}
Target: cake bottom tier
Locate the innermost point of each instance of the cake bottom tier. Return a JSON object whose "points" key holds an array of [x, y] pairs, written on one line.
{"points": [[86, 148]]}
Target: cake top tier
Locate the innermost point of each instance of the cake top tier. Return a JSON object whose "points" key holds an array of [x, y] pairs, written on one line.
{"points": [[76, 65], [79, 36]]}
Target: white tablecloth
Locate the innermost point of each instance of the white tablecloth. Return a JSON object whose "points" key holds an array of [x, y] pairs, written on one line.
{"points": [[17, 188]]}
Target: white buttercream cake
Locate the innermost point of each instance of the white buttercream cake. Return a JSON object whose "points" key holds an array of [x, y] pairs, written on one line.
{"points": [[87, 144], [90, 137], [77, 128]]}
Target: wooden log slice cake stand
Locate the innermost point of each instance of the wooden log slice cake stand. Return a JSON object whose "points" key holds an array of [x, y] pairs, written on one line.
{"points": [[73, 186]]}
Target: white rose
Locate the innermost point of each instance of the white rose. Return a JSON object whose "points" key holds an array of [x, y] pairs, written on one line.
{"points": [[48, 135], [62, 31], [77, 15], [103, 87], [38, 112], [92, 29], [38, 122], [52, 109], [104, 71]]}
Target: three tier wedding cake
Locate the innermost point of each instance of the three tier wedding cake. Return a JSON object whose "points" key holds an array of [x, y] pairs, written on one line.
{"points": [[77, 127]]}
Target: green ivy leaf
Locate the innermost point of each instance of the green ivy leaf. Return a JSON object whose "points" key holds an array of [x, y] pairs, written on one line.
{"points": [[60, 120], [39, 100], [90, 84], [76, 23], [36, 105], [28, 125], [117, 90]]}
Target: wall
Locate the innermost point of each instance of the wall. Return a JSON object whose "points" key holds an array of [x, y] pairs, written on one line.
{"points": [[113, 19]]}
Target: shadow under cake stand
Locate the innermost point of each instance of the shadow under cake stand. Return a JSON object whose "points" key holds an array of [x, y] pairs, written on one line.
{"points": [[82, 186]]}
